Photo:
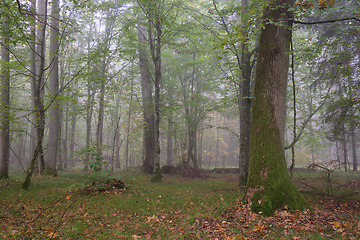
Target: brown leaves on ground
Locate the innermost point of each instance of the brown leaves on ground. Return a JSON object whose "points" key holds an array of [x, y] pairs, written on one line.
{"points": [[330, 220]]}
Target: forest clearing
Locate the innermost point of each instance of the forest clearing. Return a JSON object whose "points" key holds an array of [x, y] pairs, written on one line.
{"points": [[177, 208]]}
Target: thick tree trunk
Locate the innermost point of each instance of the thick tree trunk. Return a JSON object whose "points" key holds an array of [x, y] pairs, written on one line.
{"points": [[269, 186], [54, 123], [5, 104], [148, 105]]}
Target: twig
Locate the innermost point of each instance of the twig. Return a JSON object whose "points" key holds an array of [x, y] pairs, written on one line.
{"points": [[53, 205], [62, 217]]}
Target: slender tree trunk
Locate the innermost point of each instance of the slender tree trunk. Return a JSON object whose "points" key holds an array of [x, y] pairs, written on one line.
{"points": [[54, 123], [345, 155], [115, 155], [155, 50], [33, 77], [5, 103], [148, 106], [39, 83], [117, 150], [337, 153], [65, 137], [169, 142], [100, 125], [269, 186], [129, 125], [90, 99], [354, 153], [38, 91], [200, 140], [72, 138]]}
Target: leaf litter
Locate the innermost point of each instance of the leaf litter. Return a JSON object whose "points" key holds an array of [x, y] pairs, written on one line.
{"points": [[75, 212]]}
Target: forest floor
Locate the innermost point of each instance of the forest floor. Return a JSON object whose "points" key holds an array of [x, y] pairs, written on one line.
{"points": [[79, 205]]}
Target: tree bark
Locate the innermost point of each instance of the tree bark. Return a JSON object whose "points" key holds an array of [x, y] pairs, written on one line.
{"points": [[54, 123], [169, 142], [37, 92], [39, 110], [354, 153], [148, 105], [269, 186], [5, 104], [129, 125], [155, 50], [72, 138]]}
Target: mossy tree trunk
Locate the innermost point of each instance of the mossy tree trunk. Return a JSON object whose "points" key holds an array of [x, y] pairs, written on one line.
{"points": [[269, 186]]}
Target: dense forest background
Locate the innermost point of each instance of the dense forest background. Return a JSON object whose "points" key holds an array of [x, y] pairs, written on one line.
{"points": [[122, 84]]}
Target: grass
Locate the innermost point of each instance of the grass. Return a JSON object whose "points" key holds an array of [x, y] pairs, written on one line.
{"points": [[175, 208], [144, 209]]}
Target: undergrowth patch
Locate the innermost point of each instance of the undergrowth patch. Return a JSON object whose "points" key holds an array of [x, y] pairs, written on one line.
{"points": [[130, 206]]}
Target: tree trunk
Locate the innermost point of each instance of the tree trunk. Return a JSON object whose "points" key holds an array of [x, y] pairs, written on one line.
{"points": [[39, 111], [200, 144], [345, 154], [169, 142], [117, 150], [5, 104], [37, 92], [54, 123], [129, 125], [155, 50], [269, 186], [354, 153], [148, 106], [115, 154], [245, 110], [72, 138], [65, 137], [100, 125]]}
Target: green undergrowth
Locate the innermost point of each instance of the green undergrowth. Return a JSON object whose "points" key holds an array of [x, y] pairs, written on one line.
{"points": [[175, 208], [55, 207]]}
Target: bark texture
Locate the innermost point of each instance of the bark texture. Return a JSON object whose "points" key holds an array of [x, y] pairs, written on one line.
{"points": [[4, 105], [269, 186], [54, 123], [148, 105]]}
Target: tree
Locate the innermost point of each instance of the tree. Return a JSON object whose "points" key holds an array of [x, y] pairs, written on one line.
{"points": [[5, 101], [269, 186], [109, 24], [54, 121], [237, 42], [149, 117], [37, 91]]}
